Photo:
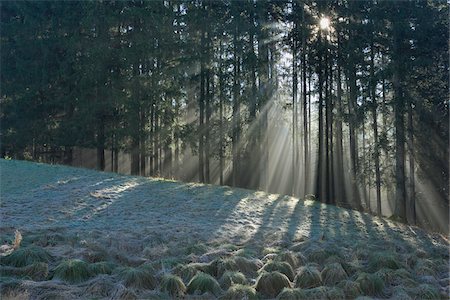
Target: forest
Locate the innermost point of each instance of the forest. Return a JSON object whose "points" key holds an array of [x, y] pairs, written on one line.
{"points": [[345, 101], [290, 149]]}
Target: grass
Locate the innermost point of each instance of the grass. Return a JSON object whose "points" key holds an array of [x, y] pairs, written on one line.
{"points": [[290, 258], [371, 284], [333, 273], [173, 285], [73, 271], [291, 294], [203, 283], [307, 277], [229, 278], [317, 293], [383, 260], [141, 277], [36, 271], [426, 291], [240, 292], [280, 266], [25, 256], [248, 266], [271, 284], [186, 272], [103, 267], [350, 288], [393, 277]]}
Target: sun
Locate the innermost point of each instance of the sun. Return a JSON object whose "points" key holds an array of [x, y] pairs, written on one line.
{"points": [[324, 23]]}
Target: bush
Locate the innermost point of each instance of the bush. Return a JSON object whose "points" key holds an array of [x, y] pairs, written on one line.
{"points": [[73, 271], [239, 292], [173, 285], [371, 284], [141, 277], [308, 277], [202, 283], [280, 266], [23, 257], [333, 273], [271, 284], [229, 278]]}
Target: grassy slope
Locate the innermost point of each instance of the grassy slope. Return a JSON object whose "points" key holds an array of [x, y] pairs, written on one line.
{"points": [[78, 213]]}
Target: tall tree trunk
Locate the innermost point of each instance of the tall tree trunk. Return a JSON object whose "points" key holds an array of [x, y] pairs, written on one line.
{"points": [[399, 111], [201, 167], [221, 129], [294, 108], [412, 191], [142, 138], [375, 127], [305, 111], [208, 81], [236, 110], [352, 107], [320, 186]]}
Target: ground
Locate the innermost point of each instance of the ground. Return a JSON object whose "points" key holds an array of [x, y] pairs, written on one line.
{"points": [[159, 226]]}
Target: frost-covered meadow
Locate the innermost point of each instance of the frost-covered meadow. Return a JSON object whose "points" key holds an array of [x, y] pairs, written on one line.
{"points": [[98, 235]]}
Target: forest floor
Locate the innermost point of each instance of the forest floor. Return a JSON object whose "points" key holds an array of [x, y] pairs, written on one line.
{"points": [[86, 232]]}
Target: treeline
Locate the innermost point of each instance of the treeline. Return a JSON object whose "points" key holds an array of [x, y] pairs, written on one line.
{"points": [[200, 81]]}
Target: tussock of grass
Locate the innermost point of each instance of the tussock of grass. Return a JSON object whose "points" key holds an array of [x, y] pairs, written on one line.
{"points": [[37, 271], [103, 267], [141, 277], [202, 283], [8, 285], [383, 260], [333, 273], [335, 293], [350, 288], [425, 267], [73, 271], [240, 292], [248, 253], [210, 268], [229, 278], [173, 285], [320, 255], [401, 294], [100, 286], [291, 294], [196, 249], [318, 293], [248, 266], [352, 267], [186, 272], [280, 266], [395, 277], [226, 264], [288, 257], [308, 277], [426, 291], [371, 284], [271, 284], [26, 256]]}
